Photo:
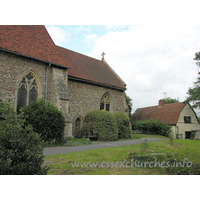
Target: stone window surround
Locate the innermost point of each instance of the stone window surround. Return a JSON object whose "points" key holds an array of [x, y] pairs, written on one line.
{"points": [[30, 71], [106, 100]]}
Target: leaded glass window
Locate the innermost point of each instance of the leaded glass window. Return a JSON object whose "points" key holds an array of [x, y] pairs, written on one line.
{"points": [[27, 91], [105, 102]]}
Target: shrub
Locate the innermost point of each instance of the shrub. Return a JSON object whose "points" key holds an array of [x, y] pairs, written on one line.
{"points": [[152, 127], [20, 147], [7, 113], [45, 119], [123, 125], [102, 123]]}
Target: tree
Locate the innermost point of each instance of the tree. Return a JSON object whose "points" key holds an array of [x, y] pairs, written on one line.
{"points": [[194, 93], [130, 104], [20, 147], [170, 100]]}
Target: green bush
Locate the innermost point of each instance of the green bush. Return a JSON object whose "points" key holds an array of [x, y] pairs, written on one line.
{"points": [[152, 127], [45, 119], [102, 123], [123, 125], [7, 113], [21, 149]]}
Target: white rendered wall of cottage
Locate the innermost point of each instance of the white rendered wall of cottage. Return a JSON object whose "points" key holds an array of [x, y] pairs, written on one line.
{"points": [[174, 131], [182, 126]]}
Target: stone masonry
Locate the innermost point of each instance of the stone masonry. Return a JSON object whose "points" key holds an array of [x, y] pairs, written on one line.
{"points": [[84, 97], [73, 98]]}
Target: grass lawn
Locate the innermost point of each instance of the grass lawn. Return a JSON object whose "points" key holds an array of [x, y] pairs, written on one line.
{"points": [[62, 164]]}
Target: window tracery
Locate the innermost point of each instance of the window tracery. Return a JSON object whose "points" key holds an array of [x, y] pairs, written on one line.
{"points": [[27, 91], [105, 102]]}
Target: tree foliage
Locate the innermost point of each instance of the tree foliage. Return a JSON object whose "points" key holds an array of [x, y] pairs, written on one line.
{"points": [[194, 93], [130, 104], [170, 100], [20, 147], [7, 113]]}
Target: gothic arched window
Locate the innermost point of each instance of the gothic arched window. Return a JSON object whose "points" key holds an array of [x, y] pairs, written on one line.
{"points": [[105, 102], [27, 91]]}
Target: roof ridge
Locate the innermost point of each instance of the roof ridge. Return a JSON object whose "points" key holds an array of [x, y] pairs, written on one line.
{"points": [[147, 107], [168, 113], [161, 106], [78, 53], [35, 42]]}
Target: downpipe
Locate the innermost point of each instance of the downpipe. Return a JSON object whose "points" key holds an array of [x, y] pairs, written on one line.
{"points": [[47, 82]]}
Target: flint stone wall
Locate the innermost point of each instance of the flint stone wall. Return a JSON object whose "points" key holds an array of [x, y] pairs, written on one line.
{"points": [[84, 97], [73, 98]]}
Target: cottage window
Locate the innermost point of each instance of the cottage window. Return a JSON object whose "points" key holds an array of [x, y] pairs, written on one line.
{"points": [[105, 102], [188, 134], [27, 91], [187, 119]]}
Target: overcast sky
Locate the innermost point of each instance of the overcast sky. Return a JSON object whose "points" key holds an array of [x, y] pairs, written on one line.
{"points": [[152, 60]]}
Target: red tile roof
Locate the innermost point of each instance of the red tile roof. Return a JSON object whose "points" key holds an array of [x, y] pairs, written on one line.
{"points": [[35, 42], [168, 113], [31, 41], [87, 68]]}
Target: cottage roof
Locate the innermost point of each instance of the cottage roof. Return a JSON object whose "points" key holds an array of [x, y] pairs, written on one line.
{"points": [[167, 113], [36, 43]]}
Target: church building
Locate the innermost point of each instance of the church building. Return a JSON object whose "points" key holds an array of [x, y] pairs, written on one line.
{"points": [[33, 67]]}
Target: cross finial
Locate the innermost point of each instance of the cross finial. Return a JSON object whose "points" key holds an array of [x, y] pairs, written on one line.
{"points": [[103, 55]]}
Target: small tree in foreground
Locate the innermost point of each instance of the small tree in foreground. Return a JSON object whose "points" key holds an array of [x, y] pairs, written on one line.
{"points": [[20, 147], [45, 119]]}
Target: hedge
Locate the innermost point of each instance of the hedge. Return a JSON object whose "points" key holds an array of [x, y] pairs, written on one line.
{"points": [[152, 127], [102, 123], [123, 125]]}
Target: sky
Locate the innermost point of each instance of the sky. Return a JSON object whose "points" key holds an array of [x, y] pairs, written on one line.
{"points": [[154, 56], [154, 61]]}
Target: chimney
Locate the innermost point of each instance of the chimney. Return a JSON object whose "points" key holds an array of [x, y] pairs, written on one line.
{"points": [[161, 102]]}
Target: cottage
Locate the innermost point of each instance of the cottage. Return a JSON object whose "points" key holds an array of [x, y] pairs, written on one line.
{"points": [[33, 67], [181, 117]]}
